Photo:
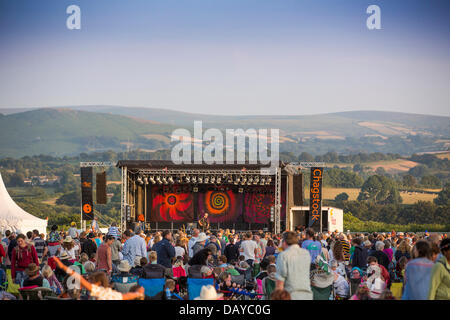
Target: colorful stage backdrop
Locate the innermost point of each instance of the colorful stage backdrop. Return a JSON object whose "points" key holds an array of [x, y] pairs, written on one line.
{"points": [[222, 206], [174, 205], [177, 204]]}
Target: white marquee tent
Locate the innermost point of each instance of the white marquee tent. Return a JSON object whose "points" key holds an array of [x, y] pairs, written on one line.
{"points": [[14, 218]]}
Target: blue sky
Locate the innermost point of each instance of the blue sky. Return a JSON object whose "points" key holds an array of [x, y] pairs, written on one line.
{"points": [[227, 56]]}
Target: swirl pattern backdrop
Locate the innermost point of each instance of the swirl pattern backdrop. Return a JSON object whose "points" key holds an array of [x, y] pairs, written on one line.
{"points": [[171, 205], [221, 206]]}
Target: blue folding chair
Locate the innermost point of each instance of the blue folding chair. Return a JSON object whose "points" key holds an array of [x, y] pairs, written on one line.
{"points": [[195, 286], [152, 286]]}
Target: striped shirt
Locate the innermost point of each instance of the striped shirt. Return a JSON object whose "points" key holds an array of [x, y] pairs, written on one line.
{"points": [[114, 231], [39, 245], [346, 249]]}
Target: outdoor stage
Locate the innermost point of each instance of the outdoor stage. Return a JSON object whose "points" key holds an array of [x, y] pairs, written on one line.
{"points": [[236, 196]]}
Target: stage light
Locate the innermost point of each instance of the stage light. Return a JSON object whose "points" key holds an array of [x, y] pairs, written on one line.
{"points": [[158, 179], [145, 180], [164, 180], [262, 181], [230, 180], [200, 179], [241, 190], [244, 180], [188, 179], [269, 179], [219, 179], [206, 179], [194, 179], [170, 179], [256, 180], [213, 179], [152, 180], [139, 180]]}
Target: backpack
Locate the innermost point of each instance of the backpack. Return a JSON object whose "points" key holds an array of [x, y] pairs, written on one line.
{"points": [[269, 287]]}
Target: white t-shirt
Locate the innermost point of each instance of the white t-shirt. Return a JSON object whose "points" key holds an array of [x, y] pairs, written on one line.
{"points": [[179, 252], [248, 247], [72, 252]]}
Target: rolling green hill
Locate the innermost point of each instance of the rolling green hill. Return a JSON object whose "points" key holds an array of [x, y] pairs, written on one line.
{"points": [[68, 132], [74, 129]]}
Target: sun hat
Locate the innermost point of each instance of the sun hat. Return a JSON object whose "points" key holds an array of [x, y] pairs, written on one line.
{"points": [[201, 237], [64, 256], [209, 293], [73, 224], [32, 269], [124, 266], [68, 239]]}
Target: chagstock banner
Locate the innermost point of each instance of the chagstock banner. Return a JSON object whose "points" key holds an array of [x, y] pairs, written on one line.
{"points": [[87, 204], [315, 198]]}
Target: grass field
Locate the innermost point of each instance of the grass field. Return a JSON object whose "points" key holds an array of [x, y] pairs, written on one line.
{"points": [[391, 166], [408, 198]]}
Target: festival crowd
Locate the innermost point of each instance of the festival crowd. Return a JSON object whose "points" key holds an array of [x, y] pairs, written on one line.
{"points": [[295, 265]]}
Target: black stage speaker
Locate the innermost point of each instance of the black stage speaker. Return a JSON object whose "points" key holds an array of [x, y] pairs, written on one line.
{"points": [[298, 189], [100, 185]]}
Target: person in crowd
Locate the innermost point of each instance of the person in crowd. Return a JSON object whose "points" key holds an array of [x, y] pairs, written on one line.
{"points": [[249, 248], [113, 230], [231, 250], [21, 256], [192, 241], [360, 254], [89, 267], [89, 246], [293, 266], [40, 246], [314, 247], [54, 241], [270, 248], [199, 243], [212, 245], [378, 253], [94, 225], [104, 256], [34, 278], [138, 269], [375, 281], [153, 270], [204, 222], [209, 293], [98, 286], [388, 250], [179, 248], [49, 275], [124, 280], [69, 246], [65, 259], [73, 231], [355, 279], [440, 274], [403, 250], [134, 246], [435, 252], [165, 250], [345, 246], [98, 238], [418, 273]]}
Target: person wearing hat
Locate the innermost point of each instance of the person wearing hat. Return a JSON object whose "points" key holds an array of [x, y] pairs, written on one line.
{"points": [[199, 243], [34, 277], [209, 293], [71, 248], [124, 280], [73, 232], [440, 274], [65, 259]]}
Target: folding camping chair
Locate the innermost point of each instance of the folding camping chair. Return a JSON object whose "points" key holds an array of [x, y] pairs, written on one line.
{"points": [[37, 293], [195, 286], [152, 286]]}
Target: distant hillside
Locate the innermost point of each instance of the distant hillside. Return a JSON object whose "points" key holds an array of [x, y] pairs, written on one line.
{"points": [[69, 132], [74, 129]]}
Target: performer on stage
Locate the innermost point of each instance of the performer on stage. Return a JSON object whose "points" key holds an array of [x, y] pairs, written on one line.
{"points": [[204, 223]]}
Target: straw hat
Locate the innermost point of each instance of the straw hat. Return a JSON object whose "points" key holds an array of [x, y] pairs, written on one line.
{"points": [[201, 237], [124, 266], [209, 293], [64, 256], [68, 239]]}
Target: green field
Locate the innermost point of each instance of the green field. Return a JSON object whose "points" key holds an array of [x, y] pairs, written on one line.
{"points": [[408, 198]]}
